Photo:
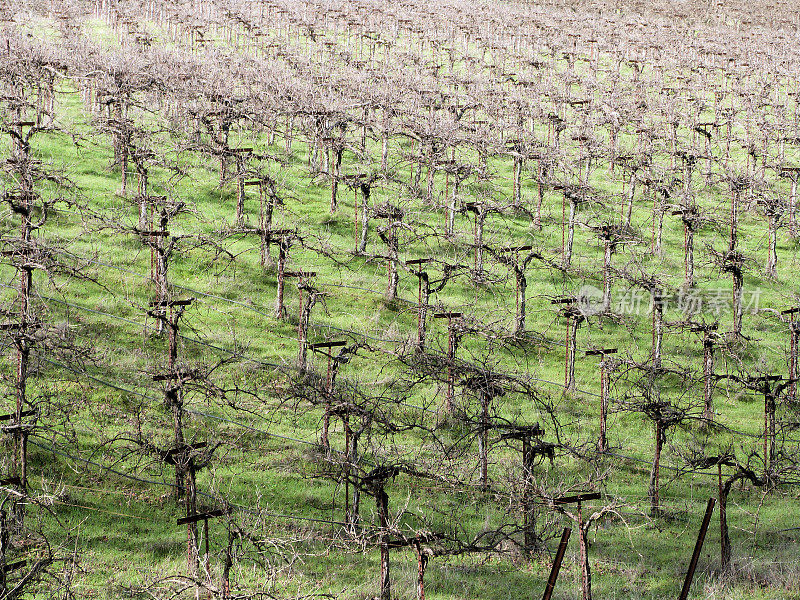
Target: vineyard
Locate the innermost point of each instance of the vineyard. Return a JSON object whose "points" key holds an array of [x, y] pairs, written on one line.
{"points": [[351, 299]]}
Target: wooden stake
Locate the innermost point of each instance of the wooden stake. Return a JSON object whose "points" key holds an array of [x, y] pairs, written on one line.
{"points": [[602, 442], [452, 347], [697, 548], [562, 548], [794, 334]]}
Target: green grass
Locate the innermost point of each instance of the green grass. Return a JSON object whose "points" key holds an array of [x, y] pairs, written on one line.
{"points": [[124, 530]]}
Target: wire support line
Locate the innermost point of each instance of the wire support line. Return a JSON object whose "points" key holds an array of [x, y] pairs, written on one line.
{"points": [[187, 410], [256, 308], [257, 430], [152, 328], [277, 366], [250, 306], [58, 451]]}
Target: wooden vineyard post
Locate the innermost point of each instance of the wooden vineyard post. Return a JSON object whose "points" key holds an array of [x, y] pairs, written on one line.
{"points": [[239, 154], [193, 550], [654, 489], [206, 562], [792, 173], [794, 333], [453, 318], [660, 195], [336, 148], [375, 481], [487, 389], [658, 324], [689, 161], [8, 568], [515, 148], [388, 235], [542, 175], [724, 539], [586, 573], [342, 410], [572, 342], [737, 187], [690, 217], [284, 237], [326, 417], [629, 179], [23, 337], [264, 229], [530, 450], [365, 185], [25, 255], [160, 246], [169, 312], [734, 264], [479, 209], [183, 459], [5, 544], [687, 583], [304, 311], [562, 548], [610, 236], [705, 129], [349, 459], [708, 367], [460, 173], [602, 442], [160, 251], [773, 210], [152, 238], [571, 193], [268, 200], [359, 182], [4, 541], [574, 318], [723, 489], [226, 568], [422, 562], [510, 257], [18, 428], [769, 386], [450, 199], [283, 249], [422, 298], [18, 147]]}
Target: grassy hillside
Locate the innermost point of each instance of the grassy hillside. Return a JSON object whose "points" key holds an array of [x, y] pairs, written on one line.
{"points": [[102, 493]]}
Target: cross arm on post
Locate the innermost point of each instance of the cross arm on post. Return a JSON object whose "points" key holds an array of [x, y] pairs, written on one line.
{"points": [[321, 346], [585, 497], [14, 566], [169, 456], [24, 413], [201, 516], [601, 352], [171, 302]]}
